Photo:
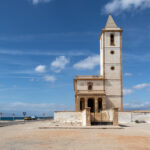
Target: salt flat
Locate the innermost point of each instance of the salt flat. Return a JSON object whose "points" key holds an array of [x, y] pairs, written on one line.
{"points": [[30, 136]]}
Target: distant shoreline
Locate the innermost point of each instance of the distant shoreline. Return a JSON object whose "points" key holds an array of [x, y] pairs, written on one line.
{"points": [[11, 118], [20, 118]]}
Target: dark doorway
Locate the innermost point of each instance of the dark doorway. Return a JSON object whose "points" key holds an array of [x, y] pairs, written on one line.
{"points": [[82, 104], [91, 104], [99, 104]]}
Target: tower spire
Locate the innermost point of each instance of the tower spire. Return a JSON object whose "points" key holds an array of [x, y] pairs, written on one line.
{"points": [[110, 22]]}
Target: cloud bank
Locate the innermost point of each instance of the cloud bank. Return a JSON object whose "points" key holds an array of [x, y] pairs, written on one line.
{"points": [[49, 78], [115, 6], [35, 2], [136, 87], [141, 86], [137, 106], [89, 63]]}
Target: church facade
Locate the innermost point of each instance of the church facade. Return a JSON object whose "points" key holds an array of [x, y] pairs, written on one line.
{"points": [[105, 91]]}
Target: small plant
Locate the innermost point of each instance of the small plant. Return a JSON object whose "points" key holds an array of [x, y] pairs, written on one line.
{"points": [[137, 121]]}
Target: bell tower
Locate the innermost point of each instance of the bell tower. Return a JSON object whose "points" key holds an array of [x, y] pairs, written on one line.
{"points": [[111, 63]]}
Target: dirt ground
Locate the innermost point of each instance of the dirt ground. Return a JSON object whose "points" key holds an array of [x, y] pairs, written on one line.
{"points": [[30, 137]]}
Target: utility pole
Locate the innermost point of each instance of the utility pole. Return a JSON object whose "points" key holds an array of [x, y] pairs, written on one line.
{"points": [[24, 114], [13, 116]]}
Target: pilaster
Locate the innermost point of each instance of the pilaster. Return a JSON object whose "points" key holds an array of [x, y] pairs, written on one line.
{"points": [[96, 104]]}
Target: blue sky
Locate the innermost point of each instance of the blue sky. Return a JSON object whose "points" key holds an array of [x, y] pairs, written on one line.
{"points": [[45, 43]]}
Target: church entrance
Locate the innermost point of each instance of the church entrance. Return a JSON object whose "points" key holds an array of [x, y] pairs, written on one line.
{"points": [[91, 104], [99, 104]]}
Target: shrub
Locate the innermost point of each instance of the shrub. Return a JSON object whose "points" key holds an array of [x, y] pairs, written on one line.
{"points": [[137, 121]]}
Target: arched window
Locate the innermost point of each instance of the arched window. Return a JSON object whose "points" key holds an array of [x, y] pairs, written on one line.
{"points": [[112, 39], [90, 86]]}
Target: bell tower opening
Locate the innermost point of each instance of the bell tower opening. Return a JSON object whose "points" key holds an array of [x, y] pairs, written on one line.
{"points": [[112, 39]]}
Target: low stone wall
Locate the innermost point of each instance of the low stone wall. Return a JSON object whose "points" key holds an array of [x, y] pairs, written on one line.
{"points": [[84, 118], [141, 116], [68, 117], [127, 117], [124, 117]]}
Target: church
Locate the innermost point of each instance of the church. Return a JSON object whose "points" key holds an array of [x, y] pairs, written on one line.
{"points": [[100, 94], [104, 91]]}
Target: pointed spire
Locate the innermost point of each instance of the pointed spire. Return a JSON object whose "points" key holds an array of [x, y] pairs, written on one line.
{"points": [[110, 22]]}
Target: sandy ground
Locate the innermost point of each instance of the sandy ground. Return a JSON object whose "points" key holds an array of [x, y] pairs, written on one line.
{"points": [[30, 137]]}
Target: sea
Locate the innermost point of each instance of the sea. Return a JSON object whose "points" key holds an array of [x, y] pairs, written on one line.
{"points": [[20, 118], [11, 118]]}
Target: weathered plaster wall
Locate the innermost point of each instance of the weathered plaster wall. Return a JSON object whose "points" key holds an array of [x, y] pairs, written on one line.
{"points": [[113, 78], [113, 101], [113, 87], [124, 117], [112, 74], [68, 117], [112, 58], [103, 116], [76, 118], [127, 117], [85, 117], [83, 84]]}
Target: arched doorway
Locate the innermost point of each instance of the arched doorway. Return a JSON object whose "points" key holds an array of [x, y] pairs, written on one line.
{"points": [[91, 104], [100, 106]]}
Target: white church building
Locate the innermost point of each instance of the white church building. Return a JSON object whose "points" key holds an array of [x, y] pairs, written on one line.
{"points": [[104, 91], [99, 97]]}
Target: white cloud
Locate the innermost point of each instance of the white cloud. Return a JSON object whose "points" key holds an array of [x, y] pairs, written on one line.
{"points": [[35, 2], [49, 78], [121, 5], [59, 64], [137, 106], [51, 52], [136, 87], [63, 36], [141, 86], [128, 74], [127, 91], [40, 68], [88, 63]]}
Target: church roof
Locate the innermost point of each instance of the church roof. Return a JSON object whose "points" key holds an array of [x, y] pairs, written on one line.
{"points": [[110, 23]]}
